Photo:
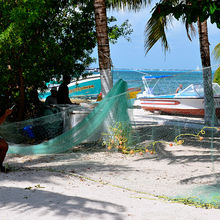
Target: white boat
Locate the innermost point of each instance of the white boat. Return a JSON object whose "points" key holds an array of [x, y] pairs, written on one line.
{"points": [[189, 101]]}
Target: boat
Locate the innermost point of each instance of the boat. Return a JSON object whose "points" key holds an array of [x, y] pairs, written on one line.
{"points": [[189, 101], [88, 86]]}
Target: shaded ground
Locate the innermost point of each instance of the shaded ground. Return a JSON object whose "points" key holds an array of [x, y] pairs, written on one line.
{"points": [[107, 185], [90, 183]]}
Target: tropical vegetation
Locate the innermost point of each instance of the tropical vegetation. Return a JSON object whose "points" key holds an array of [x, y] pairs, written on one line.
{"points": [[42, 40]]}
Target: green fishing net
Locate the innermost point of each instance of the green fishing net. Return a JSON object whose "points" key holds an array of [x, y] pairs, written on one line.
{"points": [[66, 126]]}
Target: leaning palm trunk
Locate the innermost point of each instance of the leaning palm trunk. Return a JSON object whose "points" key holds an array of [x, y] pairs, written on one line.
{"points": [[210, 117], [103, 46]]}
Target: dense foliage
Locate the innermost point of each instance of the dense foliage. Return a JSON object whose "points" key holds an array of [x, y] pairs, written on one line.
{"points": [[41, 40], [191, 10]]}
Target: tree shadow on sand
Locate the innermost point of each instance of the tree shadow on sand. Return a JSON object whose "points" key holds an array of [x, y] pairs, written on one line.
{"points": [[195, 146], [207, 178], [60, 163], [192, 150], [22, 201], [194, 154]]}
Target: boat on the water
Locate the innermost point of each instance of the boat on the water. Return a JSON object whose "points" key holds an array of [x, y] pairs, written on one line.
{"points": [[189, 101]]}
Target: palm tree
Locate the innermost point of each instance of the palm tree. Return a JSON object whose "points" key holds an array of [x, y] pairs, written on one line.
{"points": [[155, 30], [102, 36], [103, 46], [207, 72]]}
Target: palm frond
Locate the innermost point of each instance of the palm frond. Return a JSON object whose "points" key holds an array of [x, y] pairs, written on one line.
{"points": [[217, 76], [190, 30], [216, 52], [155, 30], [128, 4]]}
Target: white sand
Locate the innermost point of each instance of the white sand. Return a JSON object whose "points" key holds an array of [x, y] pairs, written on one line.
{"points": [[104, 185]]}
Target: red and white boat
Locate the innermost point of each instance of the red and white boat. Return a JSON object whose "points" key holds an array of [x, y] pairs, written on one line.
{"points": [[189, 101]]}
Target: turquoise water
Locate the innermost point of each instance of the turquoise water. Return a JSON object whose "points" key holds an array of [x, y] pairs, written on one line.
{"points": [[165, 85]]}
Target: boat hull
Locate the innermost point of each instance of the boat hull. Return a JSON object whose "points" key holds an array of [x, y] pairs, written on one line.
{"points": [[179, 106], [88, 86]]}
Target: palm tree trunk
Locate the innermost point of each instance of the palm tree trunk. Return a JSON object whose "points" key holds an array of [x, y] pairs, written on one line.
{"points": [[103, 46], [210, 117]]}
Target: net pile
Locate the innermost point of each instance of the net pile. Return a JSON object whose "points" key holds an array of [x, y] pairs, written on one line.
{"points": [[60, 129]]}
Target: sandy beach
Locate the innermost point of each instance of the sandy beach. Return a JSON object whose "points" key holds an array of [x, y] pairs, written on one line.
{"points": [[100, 184], [109, 110]]}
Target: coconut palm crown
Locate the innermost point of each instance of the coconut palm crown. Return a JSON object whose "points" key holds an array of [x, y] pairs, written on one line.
{"points": [[188, 11]]}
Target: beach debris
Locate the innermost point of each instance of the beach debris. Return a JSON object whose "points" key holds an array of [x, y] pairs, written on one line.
{"points": [[28, 188], [38, 186]]}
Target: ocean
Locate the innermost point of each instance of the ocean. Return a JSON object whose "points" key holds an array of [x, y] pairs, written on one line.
{"points": [[133, 78], [165, 85]]}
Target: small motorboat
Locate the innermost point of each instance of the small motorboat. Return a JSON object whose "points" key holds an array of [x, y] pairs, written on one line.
{"points": [[89, 86], [189, 101], [85, 87]]}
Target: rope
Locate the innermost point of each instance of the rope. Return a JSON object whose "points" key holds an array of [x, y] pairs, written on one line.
{"points": [[186, 201]]}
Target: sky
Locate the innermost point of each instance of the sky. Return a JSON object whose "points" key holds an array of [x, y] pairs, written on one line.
{"points": [[183, 53]]}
